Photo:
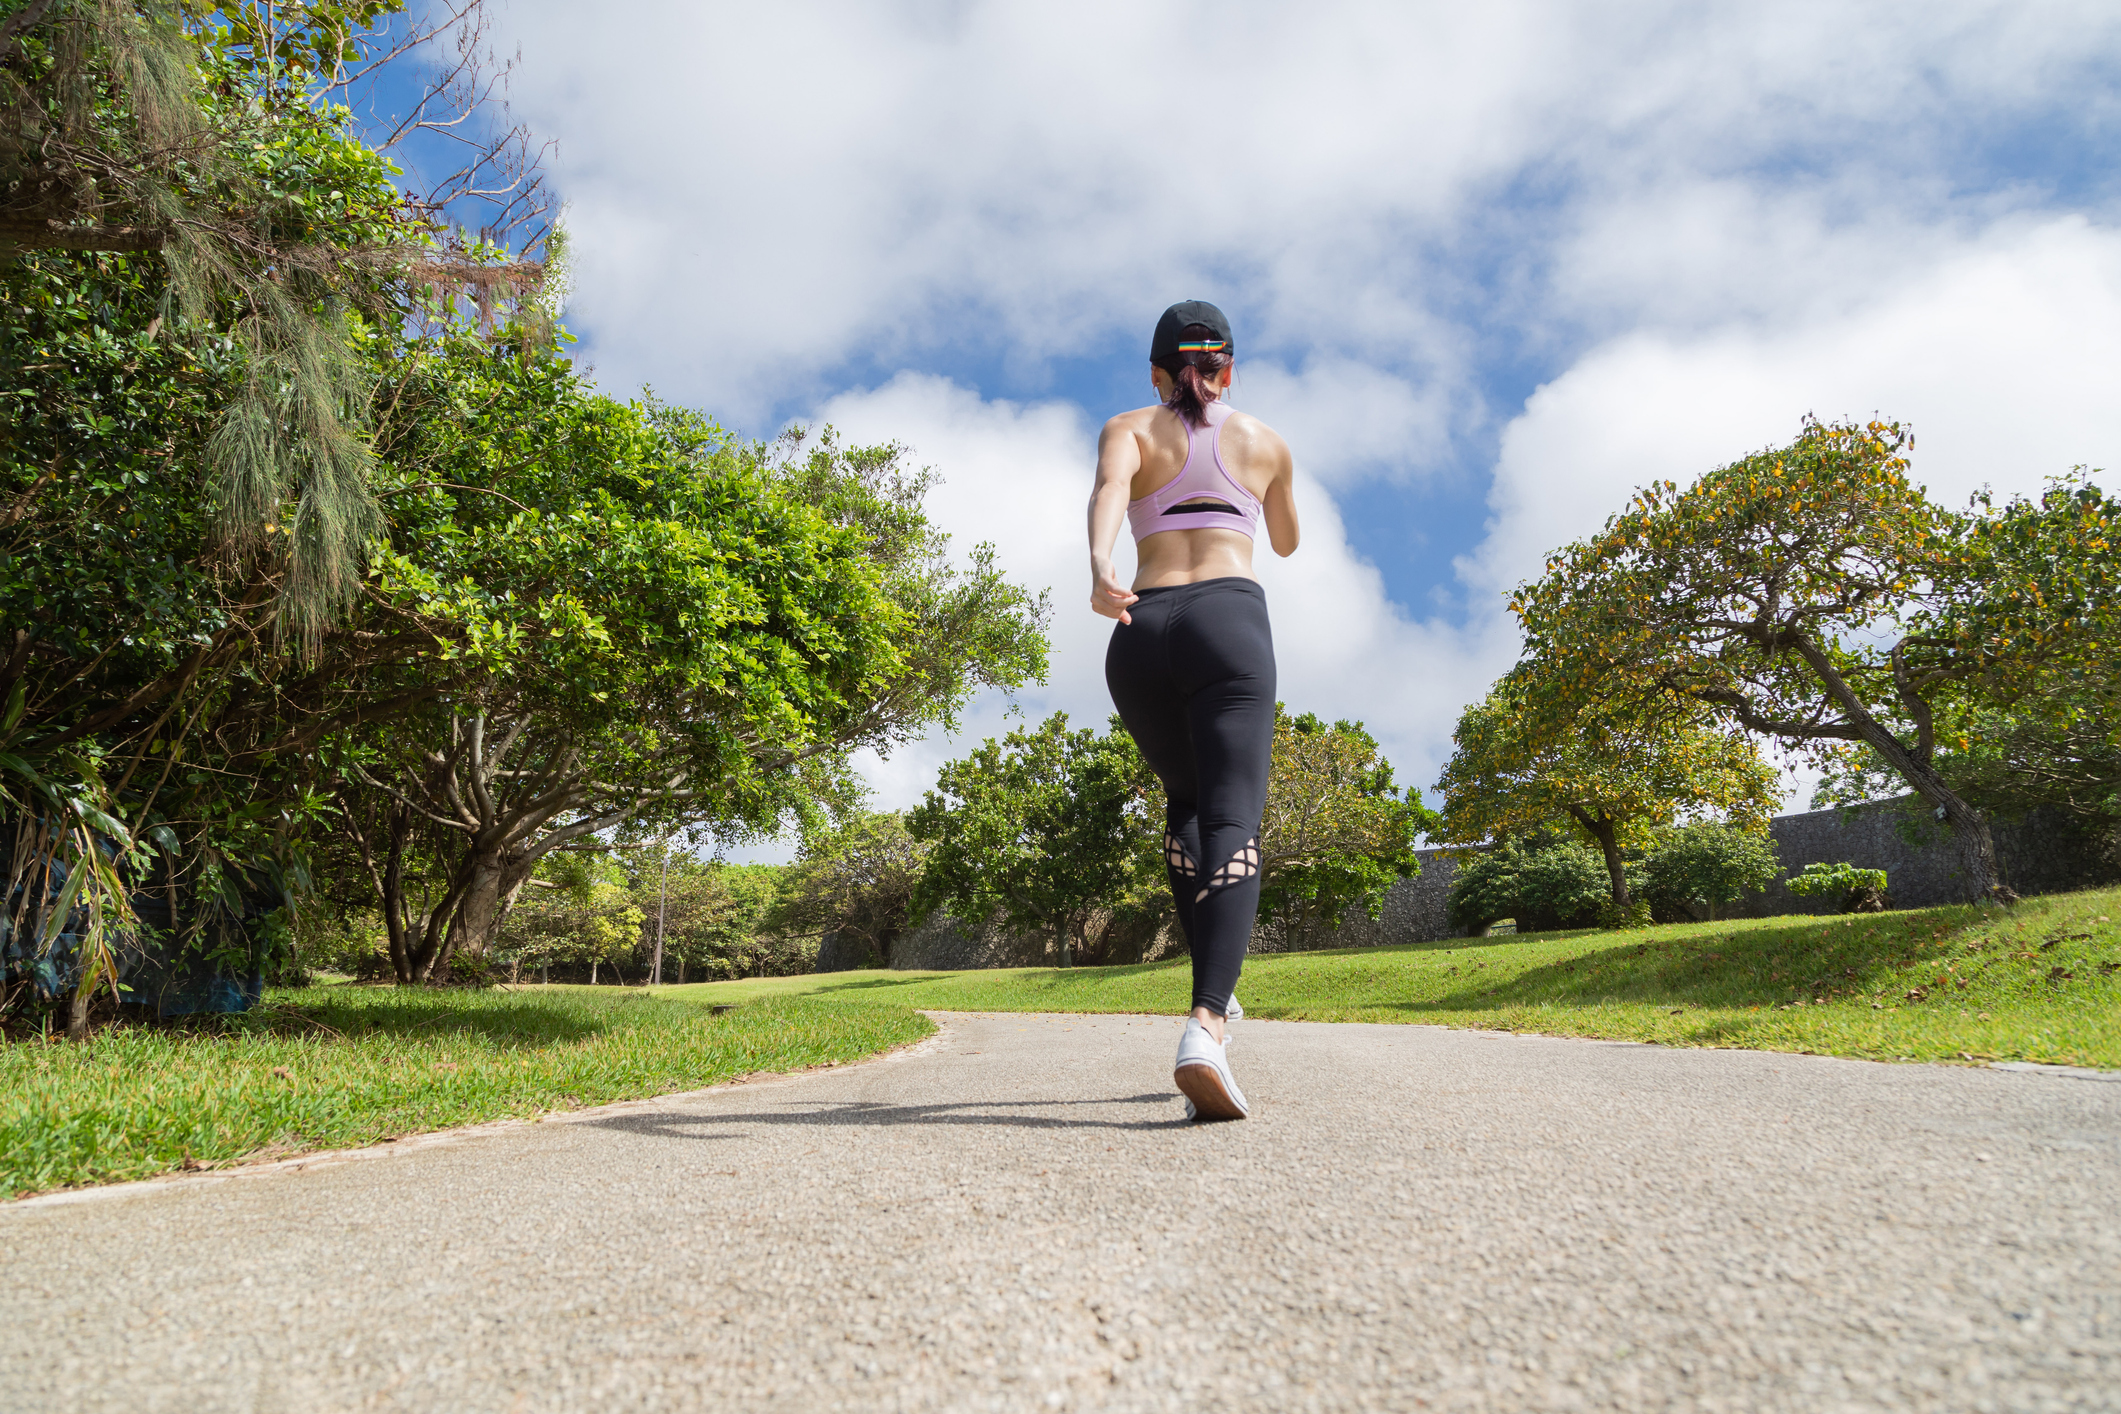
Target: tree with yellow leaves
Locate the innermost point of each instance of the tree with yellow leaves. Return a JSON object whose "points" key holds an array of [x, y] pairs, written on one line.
{"points": [[1812, 593], [1536, 755]]}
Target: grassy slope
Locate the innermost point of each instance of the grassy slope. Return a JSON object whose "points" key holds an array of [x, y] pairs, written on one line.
{"points": [[337, 1066], [2039, 982]]}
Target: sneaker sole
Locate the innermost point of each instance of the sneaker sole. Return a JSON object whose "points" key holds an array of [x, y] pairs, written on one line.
{"points": [[1204, 1087]]}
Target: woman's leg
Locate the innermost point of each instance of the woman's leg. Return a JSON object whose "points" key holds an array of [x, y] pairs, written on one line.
{"points": [[1137, 670], [1223, 654]]}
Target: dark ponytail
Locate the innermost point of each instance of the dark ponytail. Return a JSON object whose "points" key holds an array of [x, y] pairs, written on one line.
{"points": [[1190, 372]]}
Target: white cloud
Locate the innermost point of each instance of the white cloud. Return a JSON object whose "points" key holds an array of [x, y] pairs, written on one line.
{"points": [[765, 193], [2001, 355], [1349, 420]]}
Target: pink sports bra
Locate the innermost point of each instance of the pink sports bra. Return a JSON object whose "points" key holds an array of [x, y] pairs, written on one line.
{"points": [[1201, 476]]}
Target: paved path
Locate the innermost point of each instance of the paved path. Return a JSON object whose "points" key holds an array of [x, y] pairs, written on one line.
{"points": [[1014, 1217]]}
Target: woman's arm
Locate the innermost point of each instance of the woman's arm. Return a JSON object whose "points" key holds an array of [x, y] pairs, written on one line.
{"points": [[1119, 457], [1279, 504]]}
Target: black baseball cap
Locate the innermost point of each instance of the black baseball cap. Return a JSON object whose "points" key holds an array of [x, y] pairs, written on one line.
{"points": [[1167, 345]]}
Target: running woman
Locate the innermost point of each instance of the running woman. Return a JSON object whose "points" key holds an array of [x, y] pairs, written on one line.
{"points": [[1191, 663]]}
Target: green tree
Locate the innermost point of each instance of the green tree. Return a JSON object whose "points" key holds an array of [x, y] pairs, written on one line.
{"points": [[647, 624], [1035, 827], [719, 918], [202, 139], [1813, 594], [582, 910], [1701, 869], [1336, 833], [197, 255], [855, 878], [1535, 755], [1860, 890]]}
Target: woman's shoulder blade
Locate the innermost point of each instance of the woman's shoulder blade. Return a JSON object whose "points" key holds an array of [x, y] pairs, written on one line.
{"points": [[1250, 434]]}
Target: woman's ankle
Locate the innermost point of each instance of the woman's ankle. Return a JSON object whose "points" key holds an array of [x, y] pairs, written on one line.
{"points": [[1211, 1020]]}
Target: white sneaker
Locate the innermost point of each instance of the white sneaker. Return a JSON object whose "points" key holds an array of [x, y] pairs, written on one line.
{"points": [[1202, 1072]]}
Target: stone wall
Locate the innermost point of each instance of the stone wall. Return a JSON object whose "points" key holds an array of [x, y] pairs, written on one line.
{"points": [[944, 944], [2039, 854]]}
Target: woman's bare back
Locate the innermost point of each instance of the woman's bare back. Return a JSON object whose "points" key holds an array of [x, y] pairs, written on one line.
{"points": [[1249, 450]]}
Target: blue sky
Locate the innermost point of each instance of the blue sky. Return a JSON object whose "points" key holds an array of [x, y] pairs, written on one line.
{"points": [[1490, 267]]}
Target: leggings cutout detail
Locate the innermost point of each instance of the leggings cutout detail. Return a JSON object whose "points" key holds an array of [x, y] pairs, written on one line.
{"points": [[1239, 867], [1193, 678]]}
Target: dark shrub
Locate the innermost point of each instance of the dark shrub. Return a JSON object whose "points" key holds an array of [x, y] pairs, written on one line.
{"points": [[1544, 885]]}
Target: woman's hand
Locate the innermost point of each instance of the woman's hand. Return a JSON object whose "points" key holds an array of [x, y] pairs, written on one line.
{"points": [[1107, 595]]}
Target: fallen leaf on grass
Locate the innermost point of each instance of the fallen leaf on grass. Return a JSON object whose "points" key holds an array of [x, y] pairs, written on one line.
{"points": [[2060, 974], [445, 1065], [283, 1072]]}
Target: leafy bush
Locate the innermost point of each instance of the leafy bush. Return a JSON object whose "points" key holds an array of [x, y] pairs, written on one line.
{"points": [[1695, 872], [1861, 890], [1634, 915], [1542, 884], [1819, 880], [350, 942]]}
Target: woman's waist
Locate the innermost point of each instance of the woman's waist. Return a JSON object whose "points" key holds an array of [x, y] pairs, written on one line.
{"points": [[1206, 582]]}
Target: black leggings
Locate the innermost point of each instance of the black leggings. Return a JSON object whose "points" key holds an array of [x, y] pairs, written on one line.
{"points": [[1193, 678]]}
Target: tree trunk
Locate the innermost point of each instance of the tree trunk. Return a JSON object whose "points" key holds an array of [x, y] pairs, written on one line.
{"points": [[400, 820], [662, 905], [592, 972], [77, 1010], [1977, 849], [1977, 854], [1602, 830], [490, 881], [1067, 944]]}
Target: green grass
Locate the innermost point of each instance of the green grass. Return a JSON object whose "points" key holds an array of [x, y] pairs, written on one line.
{"points": [[328, 1067], [2039, 982]]}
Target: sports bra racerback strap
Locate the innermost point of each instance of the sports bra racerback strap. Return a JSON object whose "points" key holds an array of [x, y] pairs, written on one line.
{"points": [[1202, 476]]}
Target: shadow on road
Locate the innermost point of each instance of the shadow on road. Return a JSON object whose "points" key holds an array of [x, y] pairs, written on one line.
{"points": [[863, 1114]]}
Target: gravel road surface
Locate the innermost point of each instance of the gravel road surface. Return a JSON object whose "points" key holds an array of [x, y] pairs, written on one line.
{"points": [[1014, 1216]]}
